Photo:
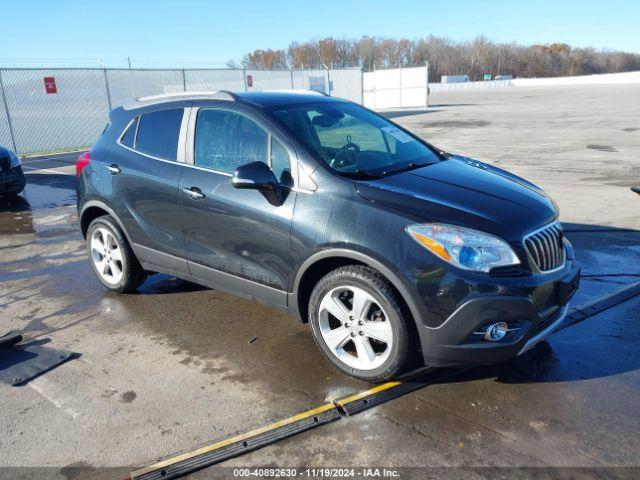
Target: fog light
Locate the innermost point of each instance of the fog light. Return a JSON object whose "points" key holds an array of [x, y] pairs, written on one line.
{"points": [[496, 332]]}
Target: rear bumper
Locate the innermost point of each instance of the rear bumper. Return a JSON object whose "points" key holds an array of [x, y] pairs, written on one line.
{"points": [[459, 340], [12, 182]]}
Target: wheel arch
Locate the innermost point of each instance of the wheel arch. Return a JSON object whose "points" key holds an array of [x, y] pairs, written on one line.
{"points": [[94, 209], [321, 263]]}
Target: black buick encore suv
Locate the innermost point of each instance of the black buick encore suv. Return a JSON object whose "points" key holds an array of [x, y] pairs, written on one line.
{"points": [[392, 249]]}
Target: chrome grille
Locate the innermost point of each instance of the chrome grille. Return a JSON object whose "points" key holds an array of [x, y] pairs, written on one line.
{"points": [[546, 247]]}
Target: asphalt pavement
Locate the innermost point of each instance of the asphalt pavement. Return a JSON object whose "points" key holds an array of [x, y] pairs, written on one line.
{"points": [[178, 366]]}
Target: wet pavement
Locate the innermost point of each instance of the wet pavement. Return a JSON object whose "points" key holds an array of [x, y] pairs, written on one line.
{"points": [[177, 366], [572, 401]]}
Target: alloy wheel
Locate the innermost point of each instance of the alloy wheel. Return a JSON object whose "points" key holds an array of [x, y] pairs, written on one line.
{"points": [[355, 328], [106, 255]]}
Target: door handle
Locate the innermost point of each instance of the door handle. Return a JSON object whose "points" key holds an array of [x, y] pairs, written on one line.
{"points": [[193, 192], [113, 169]]}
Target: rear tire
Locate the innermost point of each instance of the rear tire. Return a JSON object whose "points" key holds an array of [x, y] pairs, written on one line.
{"points": [[359, 324], [111, 256]]}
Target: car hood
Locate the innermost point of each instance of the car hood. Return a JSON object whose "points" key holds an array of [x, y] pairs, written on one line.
{"points": [[468, 193]]}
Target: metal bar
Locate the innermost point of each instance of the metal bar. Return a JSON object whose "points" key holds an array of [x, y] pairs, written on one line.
{"points": [[533, 250], [6, 109], [328, 83], [361, 86], [556, 246], [375, 87], [540, 246], [549, 240], [184, 81], [400, 83], [546, 249], [244, 78], [106, 84], [426, 84], [291, 73]]}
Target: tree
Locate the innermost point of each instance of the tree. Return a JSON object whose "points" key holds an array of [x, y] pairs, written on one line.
{"points": [[265, 59], [445, 56]]}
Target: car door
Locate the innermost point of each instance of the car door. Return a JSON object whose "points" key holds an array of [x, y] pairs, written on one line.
{"points": [[236, 239], [146, 167]]}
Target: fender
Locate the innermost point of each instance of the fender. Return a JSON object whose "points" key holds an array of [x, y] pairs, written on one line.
{"points": [[360, 257], [109, 210]]}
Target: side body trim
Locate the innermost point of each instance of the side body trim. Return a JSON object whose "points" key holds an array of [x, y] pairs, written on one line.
{"points": [[153, 260], [237, 285], [194, 272]]}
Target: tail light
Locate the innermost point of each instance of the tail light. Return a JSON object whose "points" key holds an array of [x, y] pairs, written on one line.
{"points": [[83, 161]]}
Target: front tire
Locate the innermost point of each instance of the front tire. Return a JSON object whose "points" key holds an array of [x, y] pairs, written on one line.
{"points": [[358, 323], [111, 256]]}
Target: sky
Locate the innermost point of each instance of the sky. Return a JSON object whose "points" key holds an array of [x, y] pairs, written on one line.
{"points": [[198, 33]]}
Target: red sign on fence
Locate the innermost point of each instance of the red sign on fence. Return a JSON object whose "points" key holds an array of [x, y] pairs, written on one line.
{"points": [[249, 80], [50, 85]]}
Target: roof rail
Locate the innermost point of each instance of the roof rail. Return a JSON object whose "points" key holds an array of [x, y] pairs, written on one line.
{"points": [[306, 91], [167, 97]]}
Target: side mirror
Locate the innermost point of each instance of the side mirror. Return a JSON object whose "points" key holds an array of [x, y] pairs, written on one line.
{"points": [[258, 176]]}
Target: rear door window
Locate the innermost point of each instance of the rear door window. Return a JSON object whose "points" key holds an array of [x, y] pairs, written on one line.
{"points": [[158, 133]]}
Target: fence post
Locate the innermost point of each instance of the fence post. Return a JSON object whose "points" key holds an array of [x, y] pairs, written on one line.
{"points": [[184, 81], [328, 83], [426, 80], [106, 84], [244, 78], [291, 72], [426, 75], [361, 86], [400, 83], [375, 87], [6, 110]]}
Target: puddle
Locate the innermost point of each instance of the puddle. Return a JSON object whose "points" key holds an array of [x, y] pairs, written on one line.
{"points": [[602, 148], [15, 216]]}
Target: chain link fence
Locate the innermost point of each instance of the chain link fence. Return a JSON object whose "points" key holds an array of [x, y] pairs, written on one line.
{"points": [[48, 110]]}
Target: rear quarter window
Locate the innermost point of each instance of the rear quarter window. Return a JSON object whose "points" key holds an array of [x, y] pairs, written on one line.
{"points": [[129, 136], [158, 133]]}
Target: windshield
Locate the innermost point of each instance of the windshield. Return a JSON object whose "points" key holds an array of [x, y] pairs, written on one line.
{"points": [[353, 140]]}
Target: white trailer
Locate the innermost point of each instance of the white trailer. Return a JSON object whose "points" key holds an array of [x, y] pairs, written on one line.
{"points": [[454, 78]]}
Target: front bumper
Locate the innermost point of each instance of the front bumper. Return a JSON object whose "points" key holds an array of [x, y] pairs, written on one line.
{"points": [[12, 181], [459, 340]]}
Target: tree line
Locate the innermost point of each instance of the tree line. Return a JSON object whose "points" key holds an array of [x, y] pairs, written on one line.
{"points": [[475, 57]]}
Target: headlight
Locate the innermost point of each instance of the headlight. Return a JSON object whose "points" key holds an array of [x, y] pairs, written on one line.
{"points": [[463, 247], [14, 160]]}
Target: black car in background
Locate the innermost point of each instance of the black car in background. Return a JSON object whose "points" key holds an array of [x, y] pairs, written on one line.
{"points": [[12, 180], [393, 250]]}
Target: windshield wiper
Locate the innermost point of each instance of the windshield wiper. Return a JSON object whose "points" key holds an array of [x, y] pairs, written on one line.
{"points": [[361, 174], [406, 168]]}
